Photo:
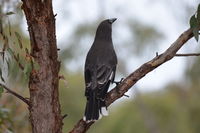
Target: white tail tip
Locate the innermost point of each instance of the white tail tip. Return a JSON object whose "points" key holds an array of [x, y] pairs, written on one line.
{"points": [[84, 118], [104, 111], [100, 116]]}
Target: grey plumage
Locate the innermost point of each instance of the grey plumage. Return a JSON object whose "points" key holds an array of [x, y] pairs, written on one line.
{"points": [[100, 67]]}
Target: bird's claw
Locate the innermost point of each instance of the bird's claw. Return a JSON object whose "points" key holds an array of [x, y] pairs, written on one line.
{"points": [[118, 82]]}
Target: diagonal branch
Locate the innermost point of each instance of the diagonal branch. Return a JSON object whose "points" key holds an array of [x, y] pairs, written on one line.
{"points": [[15, 94], [128, 82]]}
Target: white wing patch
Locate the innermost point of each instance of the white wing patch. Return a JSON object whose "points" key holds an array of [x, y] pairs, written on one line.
{"points": [[111, 75], [101, 82], [88, 85]]}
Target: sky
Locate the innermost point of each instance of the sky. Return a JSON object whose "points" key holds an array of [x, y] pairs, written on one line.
{"points": [[160, 14]]}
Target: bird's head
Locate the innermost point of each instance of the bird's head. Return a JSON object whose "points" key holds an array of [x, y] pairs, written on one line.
{"points": [[107, 22], [112, 20], [105, 28]]}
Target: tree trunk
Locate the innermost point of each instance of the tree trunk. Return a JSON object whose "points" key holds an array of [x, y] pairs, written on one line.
{"points": [[45, 114]]}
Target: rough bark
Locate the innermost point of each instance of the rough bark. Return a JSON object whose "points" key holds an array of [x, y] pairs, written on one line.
{"points": [[45, 114], [128, 82]]}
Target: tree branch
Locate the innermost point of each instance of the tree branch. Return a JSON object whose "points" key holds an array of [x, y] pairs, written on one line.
{"points": [[190, 54], [15, 94], [128, 82]]}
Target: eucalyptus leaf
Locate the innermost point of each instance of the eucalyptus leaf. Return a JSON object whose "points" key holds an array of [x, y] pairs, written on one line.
{"points": [[193, 21], [27, 69], [1, 75], [8, 65], [196, 33], [198, 14], [0, 72], [19, 39], [9, 28], [195, 27], [1, 26], [10, 13], [10, 51], [1, 90]]}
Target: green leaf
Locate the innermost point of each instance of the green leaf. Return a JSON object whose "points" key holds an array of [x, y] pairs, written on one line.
{"points": [[5, 45], [19, 39], [1, 75], [193, 21], [1, 90], [27, 69], [10, 13], [198, 14], [0, 72], [198, 9], [1, 26], [196, 33], [10, 51], [195, 27], [8, 65], [9, 27]]}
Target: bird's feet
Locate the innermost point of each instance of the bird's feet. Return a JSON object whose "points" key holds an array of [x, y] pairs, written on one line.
{"points": [[118, 82]]}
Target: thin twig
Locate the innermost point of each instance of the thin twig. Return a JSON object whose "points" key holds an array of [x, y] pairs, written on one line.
{"points": [[64, 116], [128, 82], [190, 54], [16, 94]]}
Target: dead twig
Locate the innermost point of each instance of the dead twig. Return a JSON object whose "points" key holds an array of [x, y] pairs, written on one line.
{"points": [[15, 94]]}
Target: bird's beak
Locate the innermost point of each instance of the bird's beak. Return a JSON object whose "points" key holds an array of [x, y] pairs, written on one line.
{"points": [[112, 20]]}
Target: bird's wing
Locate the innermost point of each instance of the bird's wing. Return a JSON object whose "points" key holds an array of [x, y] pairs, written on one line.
{"points": [[98, 79], [103, 74]]}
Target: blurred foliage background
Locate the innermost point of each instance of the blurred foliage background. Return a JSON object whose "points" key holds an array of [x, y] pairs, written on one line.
{"points": [[174, 108]]}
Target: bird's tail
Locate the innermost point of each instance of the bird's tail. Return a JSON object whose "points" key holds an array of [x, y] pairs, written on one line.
{"points": [[95, 108]]}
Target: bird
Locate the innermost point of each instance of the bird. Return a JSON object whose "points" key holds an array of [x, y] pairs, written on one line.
{"points": [[99, 71]]}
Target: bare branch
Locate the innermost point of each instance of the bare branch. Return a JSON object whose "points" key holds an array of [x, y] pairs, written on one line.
{"points": [[128, 82], [15, 94], [64, 116], [190, 54], [81, 127]]}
